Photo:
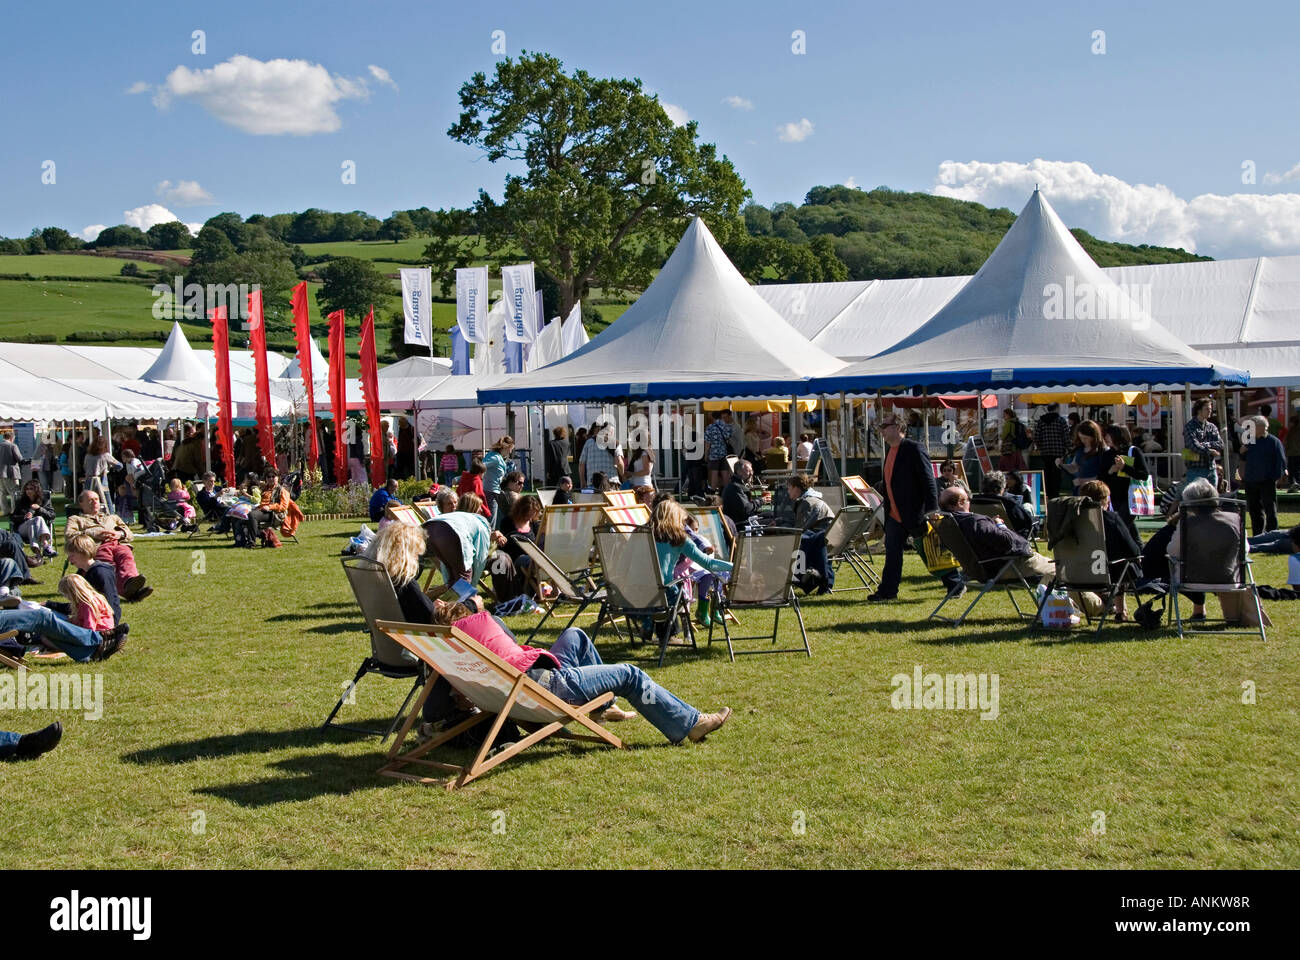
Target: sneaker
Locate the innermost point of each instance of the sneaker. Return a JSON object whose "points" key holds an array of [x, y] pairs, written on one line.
{"points": [[957, 592], [51, 552], [707, 723], [42, 741], [114, 640], [879, 597], [10, 601]]}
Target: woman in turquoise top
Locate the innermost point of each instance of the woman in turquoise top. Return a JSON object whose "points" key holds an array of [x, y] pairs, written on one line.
{"points": [[461, 542], [668, 524], [495, 467]]}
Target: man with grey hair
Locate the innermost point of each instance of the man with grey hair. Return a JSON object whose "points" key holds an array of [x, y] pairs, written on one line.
{"points": [[1263, 465], [1218, 534], [993, 490]]}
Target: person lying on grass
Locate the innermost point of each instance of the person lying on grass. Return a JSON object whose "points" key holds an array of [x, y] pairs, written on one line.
{"points": [[573, 671]]}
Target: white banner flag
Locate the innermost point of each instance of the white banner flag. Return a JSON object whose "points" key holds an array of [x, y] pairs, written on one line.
{"points": [[472, 303], [521, 302], [417, 298]]}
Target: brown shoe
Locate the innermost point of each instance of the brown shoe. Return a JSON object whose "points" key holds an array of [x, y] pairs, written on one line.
{"points": [[114, 640], [707, 723], [132, 586], [141, 594]]}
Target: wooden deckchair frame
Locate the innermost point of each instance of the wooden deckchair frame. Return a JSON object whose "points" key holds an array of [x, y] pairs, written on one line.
{"points": [[621, 498], [544, 568], [519, 683], [7, 660], [404, 513]]}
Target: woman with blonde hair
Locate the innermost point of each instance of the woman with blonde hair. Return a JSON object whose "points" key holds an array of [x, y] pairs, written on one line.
{"points": [[90, 608], [399, 547], [472, 503]]}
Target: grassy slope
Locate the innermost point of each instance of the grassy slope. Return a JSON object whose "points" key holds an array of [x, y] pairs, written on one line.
{"points": [[67, 265], [215, 704]]}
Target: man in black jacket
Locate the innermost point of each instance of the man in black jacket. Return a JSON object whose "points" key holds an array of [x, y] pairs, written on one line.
{"points": [[910, 494], [737, 505], [992, 541]]}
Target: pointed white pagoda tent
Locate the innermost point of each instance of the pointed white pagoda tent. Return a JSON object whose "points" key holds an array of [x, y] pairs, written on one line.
{"points": [[698, 331], [177, 363], [1039, 313]]}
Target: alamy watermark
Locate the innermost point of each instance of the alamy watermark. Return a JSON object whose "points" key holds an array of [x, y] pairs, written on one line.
{"points": [[21, 690], [1129, 302], [193, 301], [946, 691], [652, 431]]}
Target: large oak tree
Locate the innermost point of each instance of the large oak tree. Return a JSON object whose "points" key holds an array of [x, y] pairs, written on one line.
{"points": [[608, 183]]}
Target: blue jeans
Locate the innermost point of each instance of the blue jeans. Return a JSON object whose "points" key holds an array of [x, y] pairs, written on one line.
{"points": [[77, 642], [1275, 541], [583, 676], [8, 572], [8, 744]]}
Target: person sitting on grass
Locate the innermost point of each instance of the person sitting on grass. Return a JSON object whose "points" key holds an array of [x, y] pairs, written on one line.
{"points": [[100, 576], [27, 746], [33, 518], [573, 671], [90, 608], [114, 538], [11, 549], [82, 644]]}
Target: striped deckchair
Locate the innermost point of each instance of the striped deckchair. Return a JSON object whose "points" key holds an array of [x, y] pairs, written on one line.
{"points": [[713, 527], [401, 513], [621, 498], [497, 689], [566, 534], [632, 514], [1034, 499]]}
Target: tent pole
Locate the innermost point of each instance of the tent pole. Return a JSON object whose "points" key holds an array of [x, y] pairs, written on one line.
{"points": [[1228, 433], [844, 438], [794, 434]]}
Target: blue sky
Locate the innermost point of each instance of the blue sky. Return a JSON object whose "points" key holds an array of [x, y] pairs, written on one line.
{"points": [[1144, 143]]}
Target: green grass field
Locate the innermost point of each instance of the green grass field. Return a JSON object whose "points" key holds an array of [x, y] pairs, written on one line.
{"points": [[61, 307], [212, 715], [67, 265]]}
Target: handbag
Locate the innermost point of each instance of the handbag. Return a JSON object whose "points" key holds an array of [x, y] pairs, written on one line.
{"points": [[1141, 495], [937, 558], [1058, 612]]}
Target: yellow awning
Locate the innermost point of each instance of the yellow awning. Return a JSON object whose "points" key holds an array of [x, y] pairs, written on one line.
{"points": [[763, 406], [1127, 397]]}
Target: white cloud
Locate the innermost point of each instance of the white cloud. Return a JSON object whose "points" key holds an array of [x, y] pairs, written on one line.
{"points": [[194, 228], [740, 103], [1287, 177], [851, 183], [676, 114], [265, 97], [382, 75], [91, 232], [795, 132], [148, 215], [1234, 225], [139, 87], [184, 193]]}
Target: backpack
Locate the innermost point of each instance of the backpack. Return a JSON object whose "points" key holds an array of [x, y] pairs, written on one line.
{"points": [[1021, 436]]}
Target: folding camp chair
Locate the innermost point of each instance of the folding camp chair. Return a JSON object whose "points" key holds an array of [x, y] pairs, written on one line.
{"points": [[621, 498], [565, 534], [976, 573], [834, 496], [1082, 563], [1207, 563], [848, 524], [634, 587], [378, 601], [566, 591], [13, 663], [497, 689], [762, 577]]}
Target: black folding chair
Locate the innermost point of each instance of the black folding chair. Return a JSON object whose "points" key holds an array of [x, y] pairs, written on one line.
{"points": [[1082, 563], [1007, 573], [378, 601], [762, 578], [1212, 558]]}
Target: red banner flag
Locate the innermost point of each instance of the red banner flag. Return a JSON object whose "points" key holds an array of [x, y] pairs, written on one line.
{"points": [[370, 391], [302, 332], [261, 379], [225, 427], [338, 387]]}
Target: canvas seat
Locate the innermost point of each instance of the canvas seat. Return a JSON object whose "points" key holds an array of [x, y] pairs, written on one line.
{"points": [[373, 589], [1206, 563], [582, 593], [634, 587], [848, 525], [566, 534], [497, 689], [762, 578], [1082, 563]]}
